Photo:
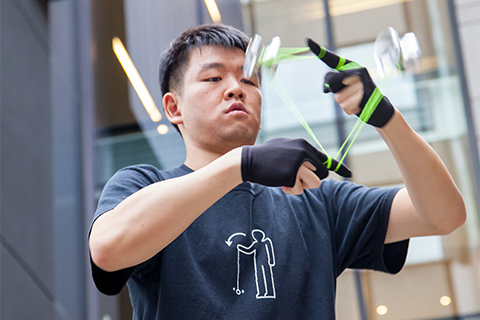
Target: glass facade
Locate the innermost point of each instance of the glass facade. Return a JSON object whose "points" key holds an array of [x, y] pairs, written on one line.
{"points": [[441, 279]]}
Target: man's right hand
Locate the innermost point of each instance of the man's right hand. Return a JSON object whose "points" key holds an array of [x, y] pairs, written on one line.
{"points": [[279, 162]]}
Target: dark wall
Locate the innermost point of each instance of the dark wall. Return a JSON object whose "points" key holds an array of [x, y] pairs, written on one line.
{"points": [[43, 94], [27, 277]]}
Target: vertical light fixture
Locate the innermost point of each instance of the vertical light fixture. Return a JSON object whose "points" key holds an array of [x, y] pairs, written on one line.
{"points": [[135, 79], [213, 11]]}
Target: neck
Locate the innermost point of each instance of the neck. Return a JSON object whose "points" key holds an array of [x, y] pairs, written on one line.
{"points": [[201, 154], [200, 157], [197, 159]]}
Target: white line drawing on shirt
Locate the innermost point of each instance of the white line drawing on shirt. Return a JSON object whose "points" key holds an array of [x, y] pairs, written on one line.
{"points": [[229, 241], [263, 261]]}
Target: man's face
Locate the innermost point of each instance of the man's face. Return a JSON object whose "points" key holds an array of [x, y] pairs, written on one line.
{"points": [[220, 108]]}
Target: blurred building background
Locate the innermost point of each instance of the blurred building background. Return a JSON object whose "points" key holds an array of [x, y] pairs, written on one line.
{"points": [[69, 119]]}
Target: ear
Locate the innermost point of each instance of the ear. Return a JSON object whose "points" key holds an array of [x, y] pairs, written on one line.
{"points": [[172, 107]]}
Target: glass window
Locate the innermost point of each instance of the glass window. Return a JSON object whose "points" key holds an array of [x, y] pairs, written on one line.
{"points": [[440, 279]]}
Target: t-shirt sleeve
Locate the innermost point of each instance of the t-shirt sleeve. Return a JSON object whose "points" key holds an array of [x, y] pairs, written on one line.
{"points": [[124, 183], [360, 226]]}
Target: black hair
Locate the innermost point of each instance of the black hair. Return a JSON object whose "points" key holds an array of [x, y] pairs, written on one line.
{"points": [[174, 60]]}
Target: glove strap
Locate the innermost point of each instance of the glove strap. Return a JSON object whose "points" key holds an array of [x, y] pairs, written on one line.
{"points": [[371, 105], [343, 67], [328, 163]]}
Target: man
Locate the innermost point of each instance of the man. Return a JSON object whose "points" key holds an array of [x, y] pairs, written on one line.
{"points": [[251, 232]]}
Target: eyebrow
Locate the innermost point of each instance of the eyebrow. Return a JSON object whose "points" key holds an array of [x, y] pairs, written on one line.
{"points": [[215, 65], [212, 65]]}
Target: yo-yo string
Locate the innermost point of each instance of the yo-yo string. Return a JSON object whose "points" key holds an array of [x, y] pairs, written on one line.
{"points": [[284, 55], [283, 94], [295, 54], [365, 115], [354, 132], [298, 54]]}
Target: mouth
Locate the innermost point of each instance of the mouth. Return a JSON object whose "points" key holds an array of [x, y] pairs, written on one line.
{"points": [[237, 107]]}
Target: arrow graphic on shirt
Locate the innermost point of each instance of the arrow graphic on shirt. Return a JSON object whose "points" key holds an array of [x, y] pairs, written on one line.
{"points": [[229, 241]]}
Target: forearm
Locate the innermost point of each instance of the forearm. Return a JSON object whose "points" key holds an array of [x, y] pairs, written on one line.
{"points": [[431, 203], [431, 190], [147, 221]]}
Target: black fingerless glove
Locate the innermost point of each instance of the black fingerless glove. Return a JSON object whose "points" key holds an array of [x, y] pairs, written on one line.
{"points": [[376, 108], [276, 162]]}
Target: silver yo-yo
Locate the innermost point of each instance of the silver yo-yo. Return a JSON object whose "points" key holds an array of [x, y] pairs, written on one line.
{"points": [[411, 53], [393, 54], [251, 62], [257, 55]]}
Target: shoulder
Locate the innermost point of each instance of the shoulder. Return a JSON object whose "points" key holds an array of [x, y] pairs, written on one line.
{"points": [[147, 174], [148, 171], [131, 179]]}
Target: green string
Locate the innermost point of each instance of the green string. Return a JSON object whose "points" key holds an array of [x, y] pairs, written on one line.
{"points": [[282, 93], [292, 51], [365, 115], [348, 66], [355, 130], [286, 54], [296, 54]]}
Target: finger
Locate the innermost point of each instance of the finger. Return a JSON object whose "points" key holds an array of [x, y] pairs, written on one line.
{"points": [[341, 170], [349, 102], [350, 98], [309, 165], [354, 88], [331, 59], [292, 191], [354, 79], [307, 177], [286, 190], [295, 190], [333, 81]]}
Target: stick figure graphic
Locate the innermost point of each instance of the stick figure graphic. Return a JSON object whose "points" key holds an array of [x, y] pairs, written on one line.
{"points": [[263, 261]]}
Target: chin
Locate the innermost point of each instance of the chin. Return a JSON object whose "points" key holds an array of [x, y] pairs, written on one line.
{"points": [[235, 134], [247, 136]]}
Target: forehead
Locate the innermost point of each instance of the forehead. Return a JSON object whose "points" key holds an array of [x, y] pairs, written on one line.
{"points": [[211, 56]]}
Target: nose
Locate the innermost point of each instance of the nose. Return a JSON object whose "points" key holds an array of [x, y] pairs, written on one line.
{"points": [[235, 90]]}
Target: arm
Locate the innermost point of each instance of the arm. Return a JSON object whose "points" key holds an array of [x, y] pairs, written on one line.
{"points": [[431, 203], [147, 221]]}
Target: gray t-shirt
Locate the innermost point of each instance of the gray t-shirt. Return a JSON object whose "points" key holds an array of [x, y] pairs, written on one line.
{"points": [[257, 253]]}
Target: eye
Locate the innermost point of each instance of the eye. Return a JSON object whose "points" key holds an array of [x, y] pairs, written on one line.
{"points": [[213, 79], [246, 81]]}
